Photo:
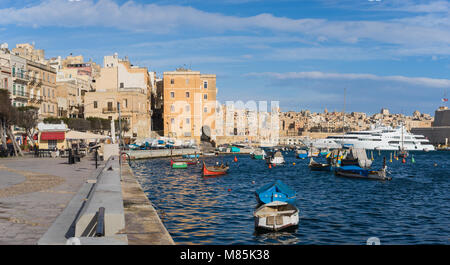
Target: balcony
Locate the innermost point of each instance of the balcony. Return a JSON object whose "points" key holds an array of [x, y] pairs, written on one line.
{"points": [[109, 110], [21, 77], [18, 94]]}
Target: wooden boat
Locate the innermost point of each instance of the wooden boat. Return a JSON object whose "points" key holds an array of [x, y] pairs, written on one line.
{"points": [[259, 154], [362, 173], [276, 191], [315, 166], [191, 156], [191, 161], [214, 170], [277, 158], [302, 154], [276, 216], [178, 164]]}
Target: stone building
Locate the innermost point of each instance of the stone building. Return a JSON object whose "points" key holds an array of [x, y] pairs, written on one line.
{"points": [[189, 104], [123, 85]]}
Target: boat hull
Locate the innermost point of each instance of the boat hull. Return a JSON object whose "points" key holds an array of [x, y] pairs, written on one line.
{"points": [[211, 172], [276, 216], [371, 175]]}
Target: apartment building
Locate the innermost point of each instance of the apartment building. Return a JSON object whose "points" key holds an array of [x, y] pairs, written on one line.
{"points": [[189, 104], [122, 84]]}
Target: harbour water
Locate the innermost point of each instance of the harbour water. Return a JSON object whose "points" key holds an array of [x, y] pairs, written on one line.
{"points": [[412, 208]]}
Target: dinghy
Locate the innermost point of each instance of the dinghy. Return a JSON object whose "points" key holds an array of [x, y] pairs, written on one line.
{"points": [[302, 154], [277, 158], [178, 164], [185, 160], [276, 216], [277, 191]]}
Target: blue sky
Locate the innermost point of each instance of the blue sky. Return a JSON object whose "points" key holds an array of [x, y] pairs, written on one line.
{"points": [[387, 53]]}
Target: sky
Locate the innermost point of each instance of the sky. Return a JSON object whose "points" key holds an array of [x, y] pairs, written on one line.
{"points": [[391, 54]]}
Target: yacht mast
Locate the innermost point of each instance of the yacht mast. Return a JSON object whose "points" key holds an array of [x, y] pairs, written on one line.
{"points": [[343, 120]]}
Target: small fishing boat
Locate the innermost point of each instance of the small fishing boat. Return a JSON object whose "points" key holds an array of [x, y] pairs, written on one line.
{"points": [[276, 191], [354, 171], [315, 166], [259, 154], [178, 164], [191, 156], [313, 152], [214, 170], [277, 158], [276, 216], [302, 154], [192, 161], [209, 154]]}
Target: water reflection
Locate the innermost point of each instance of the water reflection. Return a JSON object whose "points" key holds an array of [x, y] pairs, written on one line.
{"points": [[413, 208]]}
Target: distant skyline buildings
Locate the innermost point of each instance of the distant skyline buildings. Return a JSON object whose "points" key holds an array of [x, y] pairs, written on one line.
{"points": [[392, 54]]}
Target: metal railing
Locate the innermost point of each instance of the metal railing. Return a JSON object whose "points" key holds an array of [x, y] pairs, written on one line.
{"points": [[109, 110]]}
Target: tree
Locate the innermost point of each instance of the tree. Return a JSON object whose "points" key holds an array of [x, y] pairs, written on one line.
{"points": [[8, 118], [27, 118]]}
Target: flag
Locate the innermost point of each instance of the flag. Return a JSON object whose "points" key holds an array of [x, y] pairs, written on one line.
{"points": [[444, 99]]}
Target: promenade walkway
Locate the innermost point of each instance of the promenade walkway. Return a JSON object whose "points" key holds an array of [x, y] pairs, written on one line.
{"points": [[33, 192]]}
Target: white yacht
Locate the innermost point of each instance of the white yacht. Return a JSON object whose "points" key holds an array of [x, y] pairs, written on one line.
{"points": [[320, 143], [384, 138]]}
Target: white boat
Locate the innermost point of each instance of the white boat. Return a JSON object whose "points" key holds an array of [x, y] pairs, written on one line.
{"points": [[276, 216], [277, 158], [377, 138]]}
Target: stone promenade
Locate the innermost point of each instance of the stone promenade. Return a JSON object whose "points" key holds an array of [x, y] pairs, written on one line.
{"points": [[33, 192]]}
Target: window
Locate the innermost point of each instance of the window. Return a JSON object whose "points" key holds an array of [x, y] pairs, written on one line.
{"points": [[188, 108], [188, 120], [205, 109], [172, 94], [121, 85], [172, 81], [205, 84], [172, 121], [52, 144], [187, 81], [95, 104], [187, 94], [125, 104], [172, 108], [110, 106], [205, 96]]}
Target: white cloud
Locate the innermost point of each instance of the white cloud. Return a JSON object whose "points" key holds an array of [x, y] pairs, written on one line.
{"points": [[420, 81], [416, 31]]}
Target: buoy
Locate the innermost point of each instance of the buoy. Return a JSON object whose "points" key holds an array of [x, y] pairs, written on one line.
{"points": [[274, 164], [293, 163], [390, 159], [253, 182], [229, 189], [235, 159], [403, 160], [412, 159], [435, 164], [270, 166]]}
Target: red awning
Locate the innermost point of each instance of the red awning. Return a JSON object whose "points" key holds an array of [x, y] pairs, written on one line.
{"points": [[52, 136]]}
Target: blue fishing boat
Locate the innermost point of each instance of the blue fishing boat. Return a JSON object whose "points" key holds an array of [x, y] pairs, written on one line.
{"points": [[277, 191], [191, 156], [302, 154], [354, 171], [235, 149]]}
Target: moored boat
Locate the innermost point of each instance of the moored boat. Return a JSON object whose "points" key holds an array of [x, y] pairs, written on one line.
{"points": [[192, 161], [276, 191], [276, 216], [178, 164], [214, 170], [302, 154], [277, 158], [191, 156], [315, 166], [354, 171]]}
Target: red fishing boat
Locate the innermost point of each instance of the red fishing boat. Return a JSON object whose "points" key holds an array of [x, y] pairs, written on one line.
{"points": [[214, 170]]}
